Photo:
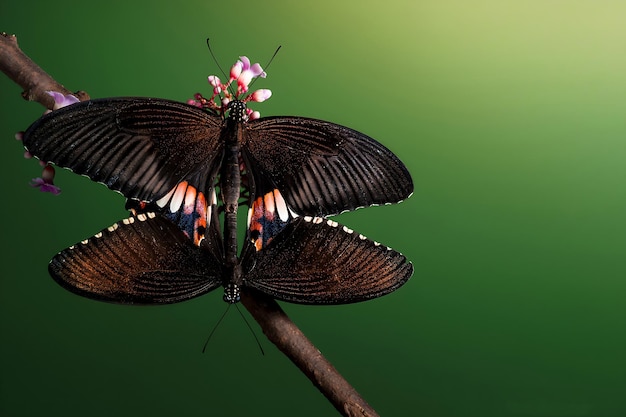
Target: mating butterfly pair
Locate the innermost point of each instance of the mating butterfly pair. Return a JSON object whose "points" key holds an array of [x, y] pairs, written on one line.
{"points": [[173, 160]]}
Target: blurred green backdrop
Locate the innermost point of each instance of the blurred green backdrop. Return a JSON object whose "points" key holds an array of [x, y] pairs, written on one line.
{"points": [[511, 117]]}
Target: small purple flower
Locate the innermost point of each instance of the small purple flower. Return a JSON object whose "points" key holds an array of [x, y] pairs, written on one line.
{"points": [[45, 183], [60, 100]]}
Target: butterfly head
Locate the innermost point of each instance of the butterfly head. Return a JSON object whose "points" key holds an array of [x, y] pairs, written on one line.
{"points": [[242, 74]]}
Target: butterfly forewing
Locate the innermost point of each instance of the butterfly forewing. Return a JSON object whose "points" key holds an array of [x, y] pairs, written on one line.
{"points": [[144, 147], [141, 147], [318, 261], [323, 168], [142, 260]]}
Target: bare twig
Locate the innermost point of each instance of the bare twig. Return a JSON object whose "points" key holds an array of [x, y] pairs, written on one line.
{"points": [[283, 332], [28, 75], [275, 323]]}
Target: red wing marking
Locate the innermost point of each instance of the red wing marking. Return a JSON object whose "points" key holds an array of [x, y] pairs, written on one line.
{"points": [[187, 207]]}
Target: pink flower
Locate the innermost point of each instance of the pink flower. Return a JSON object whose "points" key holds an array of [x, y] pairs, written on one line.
{"points": [[60, 100], [235, 70], [243, 72], [261, 95], [216, 83], [45, 183]]}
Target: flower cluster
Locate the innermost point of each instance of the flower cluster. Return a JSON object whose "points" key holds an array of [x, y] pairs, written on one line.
{"points": [[243, 73]]}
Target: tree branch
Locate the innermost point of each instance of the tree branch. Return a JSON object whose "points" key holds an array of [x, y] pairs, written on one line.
{"points": [[283, 332], [276, 325], [28, 75]]}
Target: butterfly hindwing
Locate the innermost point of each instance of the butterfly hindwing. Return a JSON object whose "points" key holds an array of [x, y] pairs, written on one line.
{"points": [[144, 259], [141, 147], [322, 168], [318, 261]]}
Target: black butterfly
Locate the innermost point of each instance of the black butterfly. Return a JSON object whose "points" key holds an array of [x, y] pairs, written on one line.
{"points": [[166, 157]]}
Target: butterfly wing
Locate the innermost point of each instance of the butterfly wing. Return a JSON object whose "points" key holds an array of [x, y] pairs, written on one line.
{"points": [[141, 260], [318, 261], [142, 147], [323, 168]]}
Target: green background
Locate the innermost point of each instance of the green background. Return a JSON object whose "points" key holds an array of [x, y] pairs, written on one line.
{"points": [[511, 117]]}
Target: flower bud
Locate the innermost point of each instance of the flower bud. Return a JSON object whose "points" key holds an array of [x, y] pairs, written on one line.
{"points": [[261, 95]]}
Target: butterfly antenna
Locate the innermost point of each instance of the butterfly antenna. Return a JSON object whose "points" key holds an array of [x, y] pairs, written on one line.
{"points": [[208, 44], [273, 56], [268, 63], [216, 325], [251, 330]]}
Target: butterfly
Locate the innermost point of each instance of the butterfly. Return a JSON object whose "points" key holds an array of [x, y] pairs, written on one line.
{"points": [[172, 160]]}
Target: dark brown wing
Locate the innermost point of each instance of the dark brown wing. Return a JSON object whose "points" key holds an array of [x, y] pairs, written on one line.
{"points": [[141, 260], [323, 168], [318, 261], [141, 147]]}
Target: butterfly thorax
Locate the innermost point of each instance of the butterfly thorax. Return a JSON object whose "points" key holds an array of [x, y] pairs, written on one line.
{"points": [[237, 111]]}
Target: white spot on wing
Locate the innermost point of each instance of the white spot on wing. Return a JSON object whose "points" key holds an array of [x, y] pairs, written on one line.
{"points": [[98, 235], [162, 202], [178, 197], [151, 215], [294, 215], [281, 206], [142, 217], [332, 223], [347, 230]]}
